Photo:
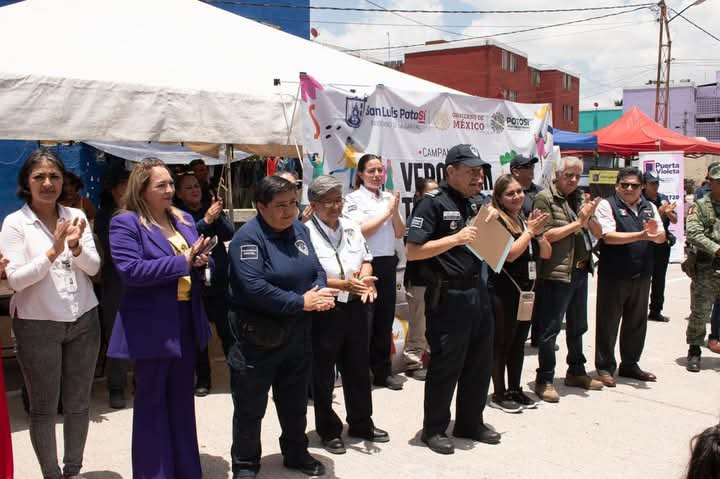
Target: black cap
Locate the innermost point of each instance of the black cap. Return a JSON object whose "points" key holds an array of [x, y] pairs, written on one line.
{"points": [[466, 154], [649, 177], [522, 161]]}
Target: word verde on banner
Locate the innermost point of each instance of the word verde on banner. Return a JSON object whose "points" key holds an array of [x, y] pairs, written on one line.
{"points": [[412, 132], [669, 167]]}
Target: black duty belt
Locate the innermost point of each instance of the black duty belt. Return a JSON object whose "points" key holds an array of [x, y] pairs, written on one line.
{"points": [[461, 283]]}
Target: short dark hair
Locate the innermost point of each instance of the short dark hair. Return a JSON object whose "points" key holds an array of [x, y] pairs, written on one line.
{"points": [[628, 171], [270, 186], [196, 161], [31, 162], [705, 454], [74, 179], [421, 185]]}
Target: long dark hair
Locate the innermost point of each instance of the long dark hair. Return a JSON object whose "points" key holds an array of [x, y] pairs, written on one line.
{"points": [[362, 163], [512, 223], [705, 455], [32, 161]]}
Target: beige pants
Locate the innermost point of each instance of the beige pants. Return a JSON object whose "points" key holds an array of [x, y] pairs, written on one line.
{"points": [[416, 344]]}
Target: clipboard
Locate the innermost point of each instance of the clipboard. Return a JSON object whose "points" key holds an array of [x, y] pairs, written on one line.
{"points": [[493, 241]]}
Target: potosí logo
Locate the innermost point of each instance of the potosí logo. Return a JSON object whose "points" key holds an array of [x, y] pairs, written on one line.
{"points": [[516, 123]]}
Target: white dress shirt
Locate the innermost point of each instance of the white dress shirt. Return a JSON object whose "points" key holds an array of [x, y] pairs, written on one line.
{"points": [[349, 242], [58, 291], [362, 205], [605, 217]]}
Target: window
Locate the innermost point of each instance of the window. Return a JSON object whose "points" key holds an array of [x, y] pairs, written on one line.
{"points": [[510, 94], [535, 77], [568, 113], [567, 81], [509, 61]]}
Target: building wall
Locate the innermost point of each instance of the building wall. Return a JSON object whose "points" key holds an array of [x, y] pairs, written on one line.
{"points": [[291, 20], [682, 106], [478, 70], [591, 120]]}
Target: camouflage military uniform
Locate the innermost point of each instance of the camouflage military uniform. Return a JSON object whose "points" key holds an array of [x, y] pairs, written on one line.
{"points": [[703, 233]]}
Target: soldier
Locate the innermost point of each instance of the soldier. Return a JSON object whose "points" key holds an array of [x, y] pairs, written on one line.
{"points": [[703, 233]]}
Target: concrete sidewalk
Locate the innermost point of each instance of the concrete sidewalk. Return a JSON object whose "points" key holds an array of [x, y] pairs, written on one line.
{"points": [[633, 431]]}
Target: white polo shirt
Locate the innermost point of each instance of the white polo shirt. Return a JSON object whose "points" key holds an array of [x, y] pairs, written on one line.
{"points": [[605, 217], [349, 242], [362, 205], [58, 291]]}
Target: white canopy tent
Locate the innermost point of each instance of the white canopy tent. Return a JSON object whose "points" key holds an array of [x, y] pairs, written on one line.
{"points": [[162, 70]]}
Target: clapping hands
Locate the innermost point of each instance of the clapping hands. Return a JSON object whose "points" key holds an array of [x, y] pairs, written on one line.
{"points": [[536, 222], [318, 299]]}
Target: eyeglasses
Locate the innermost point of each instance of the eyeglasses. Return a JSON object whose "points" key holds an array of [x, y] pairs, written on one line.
{"points": [[571, 176], [627, 186], [184, 173], [330, 204]]}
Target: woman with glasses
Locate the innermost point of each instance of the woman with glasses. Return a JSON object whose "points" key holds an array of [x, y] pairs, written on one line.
{"points": [[518, 274], [51, 256], [378, 214], [346, 259], [161, 321], [210, 221], [306, 211], [275, 281]]}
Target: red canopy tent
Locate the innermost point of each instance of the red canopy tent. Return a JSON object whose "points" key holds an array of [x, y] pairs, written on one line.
{"points": [[634, 132]]}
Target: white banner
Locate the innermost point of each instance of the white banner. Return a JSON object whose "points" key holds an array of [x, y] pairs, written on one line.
{"points": [[412, 132], [669, 167]]}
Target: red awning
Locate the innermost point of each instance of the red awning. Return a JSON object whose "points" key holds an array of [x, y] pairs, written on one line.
{"points": [[634, 132]]}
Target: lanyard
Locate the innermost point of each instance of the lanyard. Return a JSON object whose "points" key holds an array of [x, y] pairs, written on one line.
{"points": [[324, 235]]}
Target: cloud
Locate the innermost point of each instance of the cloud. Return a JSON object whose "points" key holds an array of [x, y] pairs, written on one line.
{"points": [[607, 54]]}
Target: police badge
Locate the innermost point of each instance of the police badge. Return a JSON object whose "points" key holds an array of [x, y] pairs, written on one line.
{"points": [[302, 247], [354, 111]]}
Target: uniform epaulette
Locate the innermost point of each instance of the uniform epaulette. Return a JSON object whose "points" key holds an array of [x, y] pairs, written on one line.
{"points": [[433, 193]]}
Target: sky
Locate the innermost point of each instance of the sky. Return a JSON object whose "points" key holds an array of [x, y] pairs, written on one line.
{"points": [[607, 54]]}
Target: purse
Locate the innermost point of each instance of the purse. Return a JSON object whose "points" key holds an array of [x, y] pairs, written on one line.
{"points": [[526, 300]]}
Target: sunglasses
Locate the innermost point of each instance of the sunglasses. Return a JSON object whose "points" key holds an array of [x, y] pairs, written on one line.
{"points": [[627, 186], [184, 173]]}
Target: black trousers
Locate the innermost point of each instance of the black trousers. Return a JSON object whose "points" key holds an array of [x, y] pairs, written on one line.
{"points": [[338, 338], [657, 290], [253, 371], [510, 336], [383, 315], [626, 299], [460, 334], [217, 312]]}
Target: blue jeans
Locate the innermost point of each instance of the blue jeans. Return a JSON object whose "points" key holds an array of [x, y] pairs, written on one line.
{"points": [[556, 299], [715, 322]]}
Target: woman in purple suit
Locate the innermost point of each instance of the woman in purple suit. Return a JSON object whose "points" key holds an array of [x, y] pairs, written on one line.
{"points": [[161, 322]]}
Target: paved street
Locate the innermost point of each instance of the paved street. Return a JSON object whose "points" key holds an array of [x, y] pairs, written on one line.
{"points": [[632, 431]]}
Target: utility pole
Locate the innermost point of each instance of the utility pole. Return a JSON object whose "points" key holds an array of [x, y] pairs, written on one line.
{"points": [[662, 84]]}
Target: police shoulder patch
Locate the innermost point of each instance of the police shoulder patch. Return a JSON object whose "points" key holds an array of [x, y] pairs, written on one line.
{"points": [[432, 193], [248, 252], [416, 222], [351, 208]]}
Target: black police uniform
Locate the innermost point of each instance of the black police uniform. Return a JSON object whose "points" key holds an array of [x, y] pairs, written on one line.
{"points": [[661, 260], [530, 195], [623, 288], [269, 273], [459, 323]]}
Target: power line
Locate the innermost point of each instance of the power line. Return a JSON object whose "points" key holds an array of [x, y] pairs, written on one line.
{"points": [[382, 24], [418, 22], [696, 25], [542, 27], [399, 10]]}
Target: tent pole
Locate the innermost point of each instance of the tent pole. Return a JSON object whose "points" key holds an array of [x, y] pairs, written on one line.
{"points": [[289, 125], [229, 156]]}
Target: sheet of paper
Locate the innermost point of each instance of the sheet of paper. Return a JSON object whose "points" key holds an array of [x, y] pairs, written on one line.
{"points": [[493, 241]]}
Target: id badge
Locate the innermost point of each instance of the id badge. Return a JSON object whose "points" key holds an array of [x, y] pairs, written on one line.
{"points": [[70, 283], [532, 271], [343, 297]]}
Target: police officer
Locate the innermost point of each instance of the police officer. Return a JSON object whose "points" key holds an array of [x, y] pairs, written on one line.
{"points": [[629, 224], [703, 233], [345, 257], [275, 279], [651, 183], [457, 306], [523, 170]]}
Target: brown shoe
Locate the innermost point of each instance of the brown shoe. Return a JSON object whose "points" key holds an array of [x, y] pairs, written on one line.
{"points": [[584, 381], [714, 345], [607, 380], [547, 392]]}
